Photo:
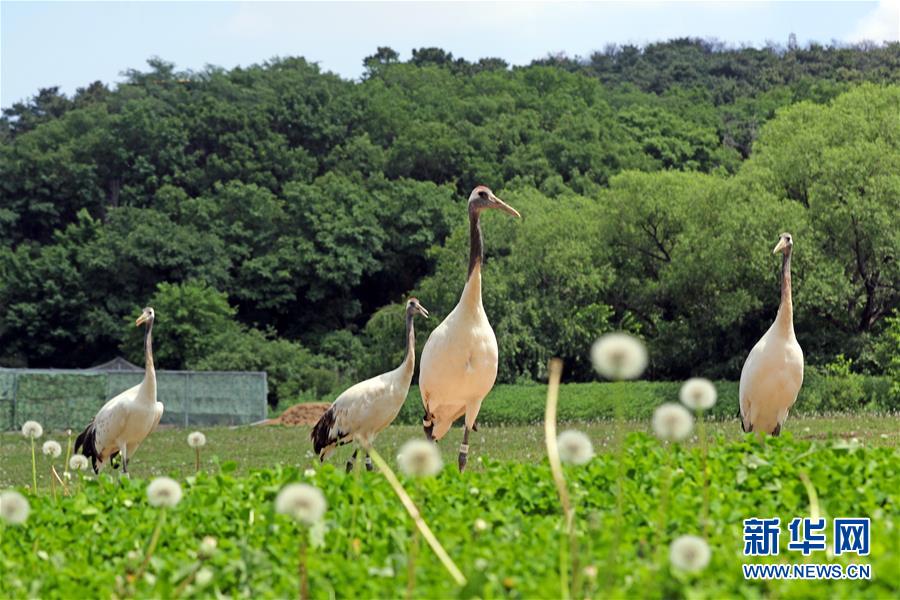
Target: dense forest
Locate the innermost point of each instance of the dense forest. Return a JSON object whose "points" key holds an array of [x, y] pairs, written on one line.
{"points": [[276, 215]]}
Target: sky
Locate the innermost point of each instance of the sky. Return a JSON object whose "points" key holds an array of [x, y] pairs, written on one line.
{"points": [[71, 44]]}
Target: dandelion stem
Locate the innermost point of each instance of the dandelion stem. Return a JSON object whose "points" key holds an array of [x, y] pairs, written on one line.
{"points": [[62, 483], [619, 440], [814, 512], [154, 539], [417, 517], [33, 468], [555, 371], [704, 466], [665, 486], [52, 484], [304, 578], [187, 580], [197, 461], [411, 564]]}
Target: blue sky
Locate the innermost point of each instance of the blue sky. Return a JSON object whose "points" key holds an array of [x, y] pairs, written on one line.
{"points": [[71, 44]]}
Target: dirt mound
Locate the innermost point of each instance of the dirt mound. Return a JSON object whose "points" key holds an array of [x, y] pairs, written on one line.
{"points": [[302, 414]]}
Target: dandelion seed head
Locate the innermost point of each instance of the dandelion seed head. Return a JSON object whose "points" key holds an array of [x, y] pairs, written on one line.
{"points": [[164, 492], [672, 422], [590, 572], [51, 449], [481, 525], [32, 429], [302, 502], [208, 546], [78, 462], [420, 458], [481, 564], [474, 491], [308, 473], [14, 508], [203, 577], [689, 553], [619, 356], [196, 439], [575, 447], [698, 393]]}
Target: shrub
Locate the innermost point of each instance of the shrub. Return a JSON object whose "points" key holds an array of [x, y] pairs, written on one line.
{"points": [[522, 404]]}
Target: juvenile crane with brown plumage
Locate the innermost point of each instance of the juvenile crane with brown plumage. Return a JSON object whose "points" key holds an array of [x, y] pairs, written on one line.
{"points": [[773, 373], [459, 361]]}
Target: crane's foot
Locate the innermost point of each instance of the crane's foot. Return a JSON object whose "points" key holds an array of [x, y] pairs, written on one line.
{"points": [[349, 466], [463, 456]]}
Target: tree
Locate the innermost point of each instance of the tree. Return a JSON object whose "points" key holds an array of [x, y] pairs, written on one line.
{"points": [[841, 163]]}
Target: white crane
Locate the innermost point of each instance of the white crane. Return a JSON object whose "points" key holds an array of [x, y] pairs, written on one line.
{"points": [[773, 373], [361, 412], [459, 361], [125, 421]]}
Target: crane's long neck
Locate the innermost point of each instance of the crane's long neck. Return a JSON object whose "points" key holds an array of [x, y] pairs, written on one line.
{"points": [[409, 362], [149, 370], [472, 291], [785, 318]]}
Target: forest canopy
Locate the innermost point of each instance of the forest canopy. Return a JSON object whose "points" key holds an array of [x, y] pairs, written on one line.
{"points": [[275, 215]]}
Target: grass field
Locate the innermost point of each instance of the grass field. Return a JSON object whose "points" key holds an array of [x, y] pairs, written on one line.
{"points": [[93, 543], [166, 452]]}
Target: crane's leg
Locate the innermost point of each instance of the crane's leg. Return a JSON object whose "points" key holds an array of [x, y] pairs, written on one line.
{"points": [[428, 425], [351, 460], [464, 450], [123, 450], [369, 466]]}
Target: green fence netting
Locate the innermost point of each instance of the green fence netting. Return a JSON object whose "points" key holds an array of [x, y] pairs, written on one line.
{"points": [[64, 399]]}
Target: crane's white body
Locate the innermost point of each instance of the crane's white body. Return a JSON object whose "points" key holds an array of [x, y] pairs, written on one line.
{"points": [[364, 410], [459, 361], [770, 380], [127, 419]]}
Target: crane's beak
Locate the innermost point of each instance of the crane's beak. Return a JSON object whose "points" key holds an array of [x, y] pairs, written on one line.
{"points": [[780, 246], [500, 204], [422, 311], [141, 319]]}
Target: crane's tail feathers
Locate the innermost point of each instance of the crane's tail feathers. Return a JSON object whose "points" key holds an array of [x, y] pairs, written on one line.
{"points": [[86, 444], [325, 436]]}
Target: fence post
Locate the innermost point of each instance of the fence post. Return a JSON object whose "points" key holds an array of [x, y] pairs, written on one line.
{"points": [[187, 399]]}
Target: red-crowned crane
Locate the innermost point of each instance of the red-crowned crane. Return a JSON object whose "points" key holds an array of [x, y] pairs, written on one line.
{"points": [[773, 373], [364, 410], [126, 420], [459, 361]]}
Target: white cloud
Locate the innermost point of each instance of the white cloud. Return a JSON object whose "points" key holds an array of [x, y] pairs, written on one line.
{"points": [[880, 25]]}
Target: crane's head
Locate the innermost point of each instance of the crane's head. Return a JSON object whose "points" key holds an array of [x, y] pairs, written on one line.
{"points": [[482, 197], [413, 307], [146, 317], [785, 244]]}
